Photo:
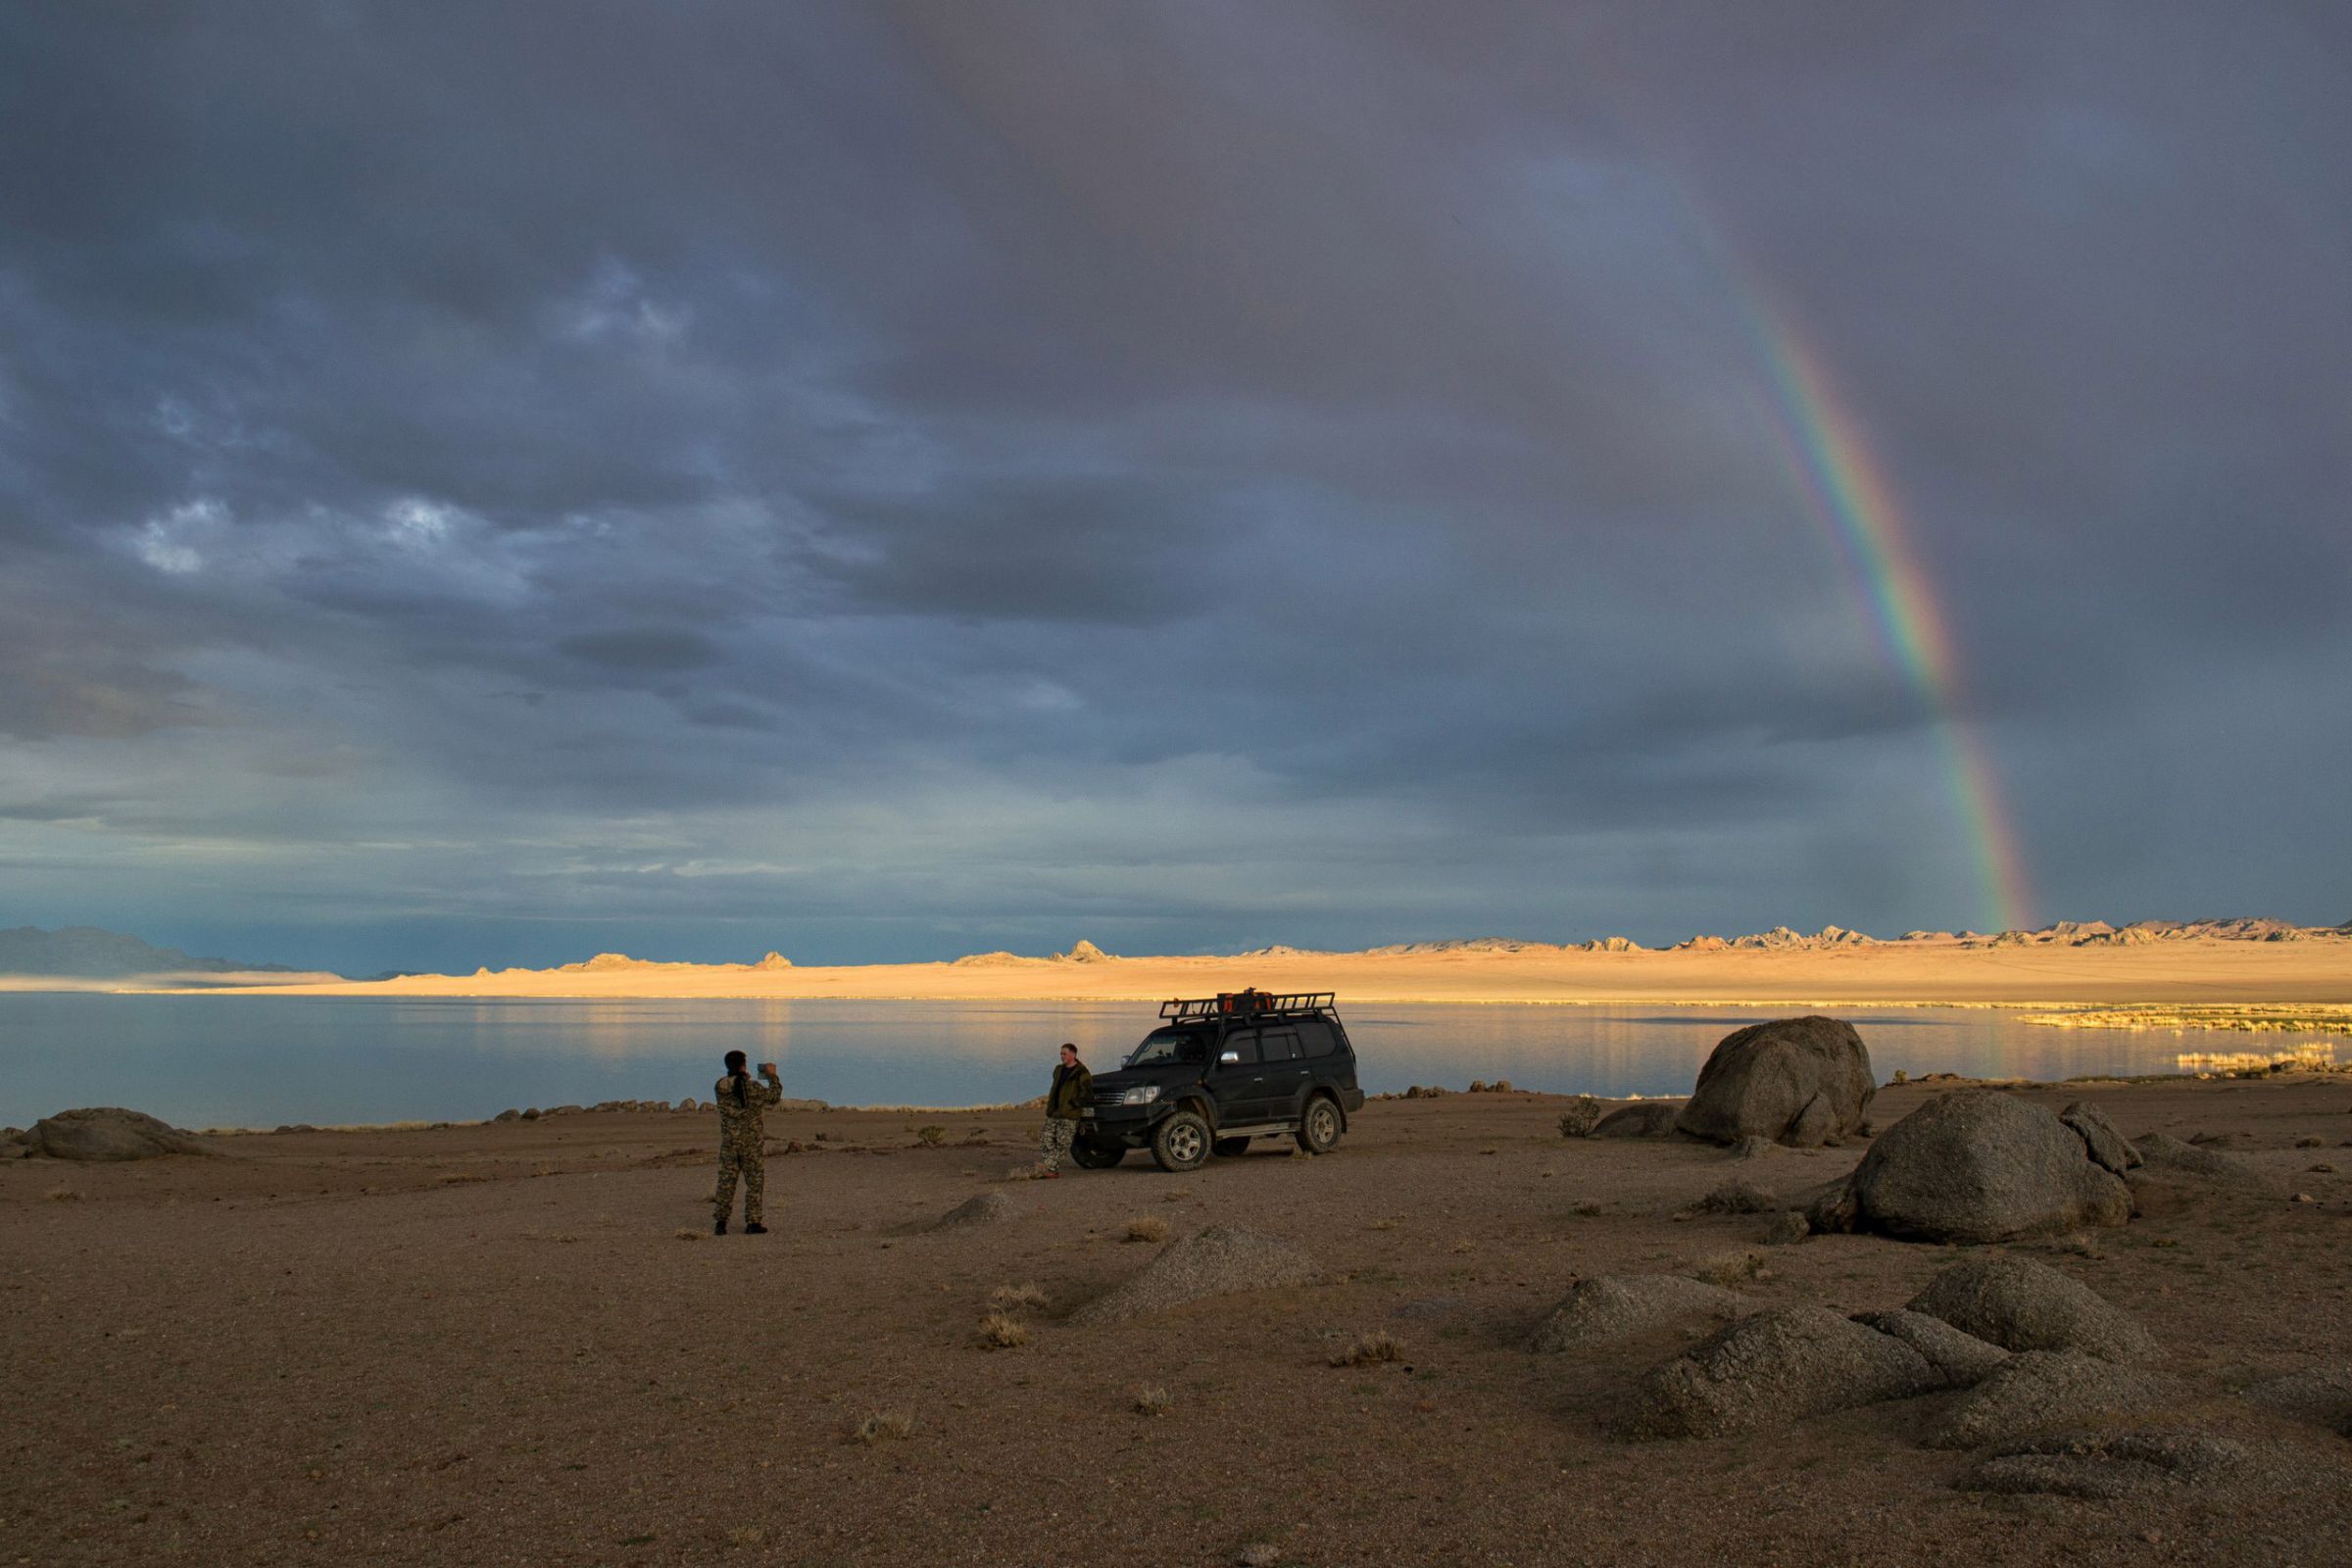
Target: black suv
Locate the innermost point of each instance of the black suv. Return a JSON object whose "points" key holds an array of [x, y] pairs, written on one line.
{"points": [[1219, 1071]]}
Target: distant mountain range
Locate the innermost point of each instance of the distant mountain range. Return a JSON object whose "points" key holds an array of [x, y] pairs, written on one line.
{"points": [[86, 953], [2062, 933]]}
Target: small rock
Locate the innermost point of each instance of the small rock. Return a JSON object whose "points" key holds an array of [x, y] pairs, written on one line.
{"points": [[2105, 1465], [2020, 1304], [1773, 1368], [1737, 1197], [1961, 1360], [1614, 1307], [2037, 1390]]}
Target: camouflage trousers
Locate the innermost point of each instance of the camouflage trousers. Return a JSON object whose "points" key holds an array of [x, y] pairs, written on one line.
{"points": [[1055, 1143], [741, 1156]]}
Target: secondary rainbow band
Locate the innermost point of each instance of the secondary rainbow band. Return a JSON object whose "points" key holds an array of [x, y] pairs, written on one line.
{"points": [[1855, 506]]}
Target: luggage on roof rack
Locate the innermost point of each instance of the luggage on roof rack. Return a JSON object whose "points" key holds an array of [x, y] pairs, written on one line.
{"points": [[1247, 1002]]}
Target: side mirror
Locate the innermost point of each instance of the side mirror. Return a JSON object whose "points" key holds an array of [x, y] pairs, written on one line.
{"points": [[1231, 1059]]}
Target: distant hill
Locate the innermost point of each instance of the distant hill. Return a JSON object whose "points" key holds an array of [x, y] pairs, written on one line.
{"points": [[86, 953]]}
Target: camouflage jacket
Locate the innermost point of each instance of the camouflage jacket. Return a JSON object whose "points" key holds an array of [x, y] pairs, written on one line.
{"points": [[743, 1121]]}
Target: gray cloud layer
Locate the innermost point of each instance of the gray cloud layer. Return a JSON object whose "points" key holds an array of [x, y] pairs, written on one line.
{"points": [[884, 480]]}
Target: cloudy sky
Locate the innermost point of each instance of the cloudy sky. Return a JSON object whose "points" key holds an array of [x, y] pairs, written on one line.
{"points": [[487, 484]]}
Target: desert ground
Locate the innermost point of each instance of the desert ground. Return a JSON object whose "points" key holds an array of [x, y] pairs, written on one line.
{"points": [[517, 1343]]}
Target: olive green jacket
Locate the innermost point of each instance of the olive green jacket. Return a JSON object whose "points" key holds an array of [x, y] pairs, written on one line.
{"points": [[1072, 1092]]}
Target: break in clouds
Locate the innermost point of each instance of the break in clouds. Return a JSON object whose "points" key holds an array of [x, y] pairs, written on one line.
{"points": [[887, 481]]}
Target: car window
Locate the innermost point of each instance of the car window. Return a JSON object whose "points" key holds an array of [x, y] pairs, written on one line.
{"points": [[1243, 1042], [1314, 1037], [1282, 1044]]}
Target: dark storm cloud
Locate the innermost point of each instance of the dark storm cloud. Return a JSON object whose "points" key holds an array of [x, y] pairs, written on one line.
{"points": [[929, 470]]}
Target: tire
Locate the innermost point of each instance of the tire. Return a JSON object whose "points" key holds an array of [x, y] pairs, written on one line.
{"points": [[1087, 1155], [1181, 1141], [1320, 1128], [1227, 1147]]}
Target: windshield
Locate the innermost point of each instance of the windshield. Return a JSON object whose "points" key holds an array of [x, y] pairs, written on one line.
{"points": [[1167, 1044]]}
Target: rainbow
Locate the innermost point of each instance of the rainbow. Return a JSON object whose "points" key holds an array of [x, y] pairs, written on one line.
{"points": [[1847, 493]]}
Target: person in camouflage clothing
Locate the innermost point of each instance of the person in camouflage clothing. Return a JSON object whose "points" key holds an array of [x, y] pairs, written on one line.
{"points": [[1072, 1092], [741, 1104]]}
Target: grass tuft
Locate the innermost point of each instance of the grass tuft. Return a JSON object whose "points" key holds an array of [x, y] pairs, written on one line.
{"points": [[1013, 1298], [883, 1426], [1154, 1401], [1001, 1331], [1147, 1229], [1370, 1349], [688, 1232], [931, 1136]]}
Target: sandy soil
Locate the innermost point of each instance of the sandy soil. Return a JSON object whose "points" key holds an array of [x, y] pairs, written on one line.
{"points": [[2199, 970], [490, 1344]]}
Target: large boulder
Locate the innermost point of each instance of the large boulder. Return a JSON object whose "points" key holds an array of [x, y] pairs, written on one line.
{"points": [[1217, 1261], [2020, 1304], [1773, 1368], [1614, 1307], [2036, 1391], [110, 1133], [1644, 1118], [1976, 1165], [1804, 1082]]}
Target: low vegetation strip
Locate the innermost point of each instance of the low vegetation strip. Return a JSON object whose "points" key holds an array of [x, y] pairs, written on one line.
{"points": [[2287, 1018]]}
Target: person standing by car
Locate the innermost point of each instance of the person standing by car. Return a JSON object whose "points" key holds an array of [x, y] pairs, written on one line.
{"points": [[741, 1104], [1073, 1090]]}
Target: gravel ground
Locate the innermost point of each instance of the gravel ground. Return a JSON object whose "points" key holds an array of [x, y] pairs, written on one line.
{"points": [[490, 1344]]}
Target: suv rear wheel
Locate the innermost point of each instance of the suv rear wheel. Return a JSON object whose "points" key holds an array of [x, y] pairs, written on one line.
{"points": [[1181, 1141], [1091, 1155], [1319, 1129]]}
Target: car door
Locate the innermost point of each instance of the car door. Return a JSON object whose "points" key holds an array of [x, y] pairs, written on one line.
{"points": [[1286, 1070], [1236, 1078]]}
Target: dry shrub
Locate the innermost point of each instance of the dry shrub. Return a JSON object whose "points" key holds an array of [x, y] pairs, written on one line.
{"points": [[931, 1136], [746, 1535], [1175, 1194], [1370, 1349], [1585, 1209], [1728, 1269], [1465, 1244], [1581, 1117], [882, 1426], [1013, 1298], [1001, 1331], [62, 1195], [1147, 1229], [1154, 1401], [688, 1232], [1390, 1223]]}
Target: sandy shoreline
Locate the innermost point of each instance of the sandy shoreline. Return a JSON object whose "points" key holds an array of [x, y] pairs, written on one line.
{"points": [[489, 1344], [2198, 972]]}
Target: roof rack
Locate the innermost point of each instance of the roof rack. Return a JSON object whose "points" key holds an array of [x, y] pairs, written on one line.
{"points": [[1245, 1003]]}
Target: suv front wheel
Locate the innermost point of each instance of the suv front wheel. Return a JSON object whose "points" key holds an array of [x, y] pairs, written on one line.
{"points": [[1319, 1128], [1181, 1141]]}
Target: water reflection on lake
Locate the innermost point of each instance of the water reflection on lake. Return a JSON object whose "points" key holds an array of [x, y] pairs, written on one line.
{"points": [[215, 1060]]}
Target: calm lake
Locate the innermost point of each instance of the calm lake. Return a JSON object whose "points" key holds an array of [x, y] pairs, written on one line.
{"points": [[218, 1061]]}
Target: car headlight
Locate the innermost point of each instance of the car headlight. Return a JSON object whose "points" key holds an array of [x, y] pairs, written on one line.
{"points": [[1140, 1095]]}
